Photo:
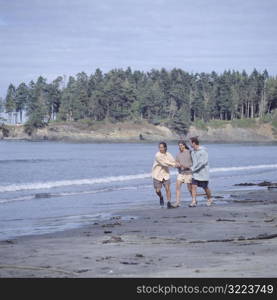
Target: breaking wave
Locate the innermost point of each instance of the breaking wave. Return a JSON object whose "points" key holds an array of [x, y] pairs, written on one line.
{"points": [[92, 181]]}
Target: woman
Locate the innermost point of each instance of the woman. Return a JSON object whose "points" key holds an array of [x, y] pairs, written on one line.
{"points": [[184, 171]]}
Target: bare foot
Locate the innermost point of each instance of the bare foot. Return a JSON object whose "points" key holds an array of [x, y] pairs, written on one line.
{"points": [[209, 202], [193, 204]]}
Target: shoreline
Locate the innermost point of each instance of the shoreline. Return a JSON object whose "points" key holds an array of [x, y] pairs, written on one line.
{"points": [[148, 141], [140, 132], [236, 239], [221, 198], [133, 141]]}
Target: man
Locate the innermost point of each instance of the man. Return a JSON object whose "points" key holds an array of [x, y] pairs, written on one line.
{"points": [[160, 173], [200, 171], [185, 175]]}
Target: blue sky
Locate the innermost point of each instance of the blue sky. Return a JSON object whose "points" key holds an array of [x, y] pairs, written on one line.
{"points": [[64, 37]]}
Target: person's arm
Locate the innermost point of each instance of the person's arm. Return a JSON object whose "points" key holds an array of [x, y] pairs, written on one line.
{"points": [[201, 163], [165, 162], [173, 163], [178, 164]]}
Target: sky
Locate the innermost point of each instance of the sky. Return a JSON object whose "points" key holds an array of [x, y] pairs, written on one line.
{"points": [[64, 37]]}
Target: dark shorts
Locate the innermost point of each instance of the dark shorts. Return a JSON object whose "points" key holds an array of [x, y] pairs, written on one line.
{"points": [[158, 184], [202, 184]]}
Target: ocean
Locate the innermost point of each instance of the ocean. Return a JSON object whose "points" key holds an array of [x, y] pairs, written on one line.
{"points": [[53, 186]]}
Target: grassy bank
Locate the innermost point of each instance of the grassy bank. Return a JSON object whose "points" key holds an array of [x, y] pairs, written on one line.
{"points": [[270, 119], [244, 130]]}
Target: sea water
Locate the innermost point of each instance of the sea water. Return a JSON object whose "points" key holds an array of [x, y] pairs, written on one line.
{"points": [[53, 186]]}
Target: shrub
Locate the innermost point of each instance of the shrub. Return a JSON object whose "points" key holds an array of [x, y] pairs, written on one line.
{"points": [[218, 123], [244, 123], [200, 124]]}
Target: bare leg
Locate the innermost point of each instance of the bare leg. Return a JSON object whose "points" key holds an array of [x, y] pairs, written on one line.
{"points": [[168, 192], [189, 188], [193, 193], [159, 193], [209, 195], [178, 193]]}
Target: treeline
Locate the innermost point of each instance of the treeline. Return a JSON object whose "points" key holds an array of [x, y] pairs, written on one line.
{"points": [[174, 98]]}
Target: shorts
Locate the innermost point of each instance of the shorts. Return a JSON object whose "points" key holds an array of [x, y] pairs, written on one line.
{"points": [[158, 184], [200, 183], [184, 178]]}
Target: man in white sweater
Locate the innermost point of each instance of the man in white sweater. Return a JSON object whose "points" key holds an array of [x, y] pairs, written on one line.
{"points": [[200, 171], [160, 173]]}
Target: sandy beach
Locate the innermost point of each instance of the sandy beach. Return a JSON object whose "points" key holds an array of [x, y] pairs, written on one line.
{"points": [[237, 239]]}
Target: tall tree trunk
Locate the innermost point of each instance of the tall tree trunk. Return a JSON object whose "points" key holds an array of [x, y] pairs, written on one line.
{"points": [[269, 107], [242, 111], [107, 113], [262, 105], [52, 112]]}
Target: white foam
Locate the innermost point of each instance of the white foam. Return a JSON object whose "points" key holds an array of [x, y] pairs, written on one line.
{"points": [[16, 199], [243, 168], [62, 183], [91, 181]]}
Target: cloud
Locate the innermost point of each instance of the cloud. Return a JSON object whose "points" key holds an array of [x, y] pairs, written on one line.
{"points": [[3, 22], [68, 36]]}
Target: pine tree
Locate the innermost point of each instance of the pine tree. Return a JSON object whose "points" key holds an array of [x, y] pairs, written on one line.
{"points": [[21, 99], [10, 104], [37, 109]]}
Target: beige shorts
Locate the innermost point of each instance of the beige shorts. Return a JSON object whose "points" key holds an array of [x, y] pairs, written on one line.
{"points": [[184, 178], [159, 184]]}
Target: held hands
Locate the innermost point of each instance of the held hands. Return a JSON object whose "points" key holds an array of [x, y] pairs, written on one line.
{"points": [[184, 168], [177, 164]]}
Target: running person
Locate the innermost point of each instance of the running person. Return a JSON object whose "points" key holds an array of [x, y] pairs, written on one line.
{"points": [[160, 173]]}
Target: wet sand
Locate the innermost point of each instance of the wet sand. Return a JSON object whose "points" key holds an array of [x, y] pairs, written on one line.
{"points": [[238, 239]]}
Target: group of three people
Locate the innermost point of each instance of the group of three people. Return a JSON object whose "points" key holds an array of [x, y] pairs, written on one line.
{"points": [[193, 170]]}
